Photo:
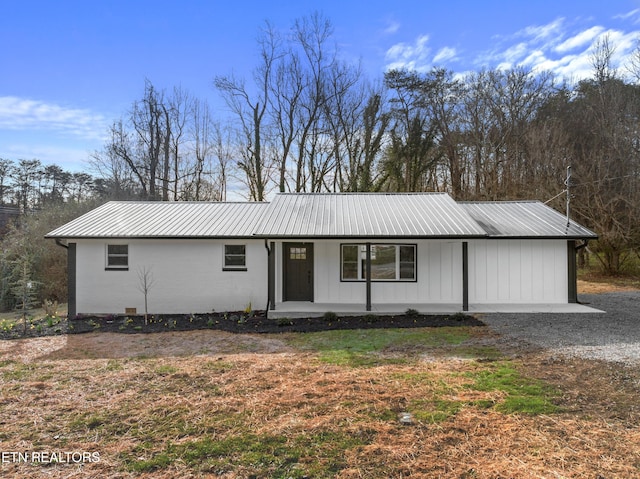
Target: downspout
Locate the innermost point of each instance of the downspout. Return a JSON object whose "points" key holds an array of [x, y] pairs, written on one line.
{"points": [[61, 244], [585, 243]]}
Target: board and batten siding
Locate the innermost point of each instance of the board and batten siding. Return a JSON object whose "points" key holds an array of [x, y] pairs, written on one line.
{"points": [[439, 275], [187, 277], [518, 271]]}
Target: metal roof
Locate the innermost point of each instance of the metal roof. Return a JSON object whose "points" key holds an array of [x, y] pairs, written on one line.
{"points": [[143, 219], [524, 219], [326, 215], [362, 215]]}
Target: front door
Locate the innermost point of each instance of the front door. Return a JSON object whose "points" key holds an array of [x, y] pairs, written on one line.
{"points": [[298, 272]]}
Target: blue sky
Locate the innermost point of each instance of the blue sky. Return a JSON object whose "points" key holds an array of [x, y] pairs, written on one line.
{"points": [[69, 68]]}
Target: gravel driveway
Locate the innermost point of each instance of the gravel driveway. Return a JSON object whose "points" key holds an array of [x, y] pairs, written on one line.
{"points": [[611, 336]]}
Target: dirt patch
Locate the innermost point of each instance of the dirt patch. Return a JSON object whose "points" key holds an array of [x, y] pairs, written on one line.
{"points": [[171, 344], [591, 287], [602, 389]]}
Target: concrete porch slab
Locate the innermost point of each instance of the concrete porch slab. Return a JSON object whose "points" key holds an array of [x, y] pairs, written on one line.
{"points": [[300, 309]]}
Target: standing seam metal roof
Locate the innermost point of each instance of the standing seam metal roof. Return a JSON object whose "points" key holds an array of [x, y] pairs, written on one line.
{"points": [[524, 219], [336, 215], [138, 219], [325, 215]]}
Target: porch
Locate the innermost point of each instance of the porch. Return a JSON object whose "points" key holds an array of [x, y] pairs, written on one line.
{"points": [[302, 309]]}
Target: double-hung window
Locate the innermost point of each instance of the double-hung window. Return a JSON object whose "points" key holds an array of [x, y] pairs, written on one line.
{"points": [[235, 257], [117, 256], [389, 262]]}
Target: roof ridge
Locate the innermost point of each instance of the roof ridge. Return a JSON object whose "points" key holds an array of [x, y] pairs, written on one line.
{"points": [[496, 201], [356, 193], [189, 202]]}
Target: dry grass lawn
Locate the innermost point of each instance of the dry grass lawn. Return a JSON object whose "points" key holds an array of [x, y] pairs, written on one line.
{"points": [[213, 404], [597, 287]]}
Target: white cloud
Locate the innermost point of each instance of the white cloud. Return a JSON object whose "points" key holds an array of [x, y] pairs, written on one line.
{"points": [[542, 32], [563, 47], [445, 54], [626, 16], [403, 55], [25, 114], [579, 40], [391, 28]]}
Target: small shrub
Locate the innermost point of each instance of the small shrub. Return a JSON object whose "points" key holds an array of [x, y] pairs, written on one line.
{"points": [[371, 318], [50, 308], [412, 313], [7, 325], [284, 322], [329, 316], [457, 317]]}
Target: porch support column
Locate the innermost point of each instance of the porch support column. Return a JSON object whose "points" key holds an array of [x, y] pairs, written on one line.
{"points": [[271, 273], [572, 270], [368, 275], [465, 276], [71, 280]]}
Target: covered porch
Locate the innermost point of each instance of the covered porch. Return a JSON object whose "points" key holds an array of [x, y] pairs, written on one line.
{"points": [[302, 309]]}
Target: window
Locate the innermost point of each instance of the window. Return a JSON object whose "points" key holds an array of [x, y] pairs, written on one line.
{"points": [[298, 253], [118, 256], [389, 262], [235, 257]]}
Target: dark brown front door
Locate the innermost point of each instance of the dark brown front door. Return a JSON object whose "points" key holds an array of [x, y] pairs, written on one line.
{"points": [[298, 272]]}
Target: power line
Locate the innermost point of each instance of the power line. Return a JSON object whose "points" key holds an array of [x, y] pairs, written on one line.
{"points": [[602, 180]]}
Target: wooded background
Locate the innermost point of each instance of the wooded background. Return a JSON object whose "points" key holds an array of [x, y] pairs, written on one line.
{"points": [[306, 121]]}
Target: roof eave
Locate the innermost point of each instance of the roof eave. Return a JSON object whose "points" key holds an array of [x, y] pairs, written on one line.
{"points": [[368, 237], [534, 237], [147, 237]]}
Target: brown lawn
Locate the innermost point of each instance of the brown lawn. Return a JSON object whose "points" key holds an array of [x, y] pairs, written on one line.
{"points": [[214, 404], [595, 287]]}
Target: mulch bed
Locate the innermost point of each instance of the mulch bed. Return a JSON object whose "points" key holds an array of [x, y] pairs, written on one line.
{"points": [[234, 322]]}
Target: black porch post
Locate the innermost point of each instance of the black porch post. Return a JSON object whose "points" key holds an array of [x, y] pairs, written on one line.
{"points": [[368, 275], [271, 266], [572, 269], [465, 276], [71, 280]]}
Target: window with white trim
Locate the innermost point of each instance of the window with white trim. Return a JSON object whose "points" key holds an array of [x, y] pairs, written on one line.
{"points": [[117, 256], [389, 262], [235, 257]]}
